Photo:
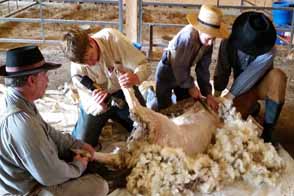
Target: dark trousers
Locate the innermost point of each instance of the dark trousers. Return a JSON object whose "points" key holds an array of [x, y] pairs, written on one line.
{"points": [[88, 127], [166, 84]]}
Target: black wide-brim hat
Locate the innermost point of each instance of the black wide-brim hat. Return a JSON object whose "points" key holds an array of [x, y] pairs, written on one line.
{"points": [[253, 33], [25, 60]]}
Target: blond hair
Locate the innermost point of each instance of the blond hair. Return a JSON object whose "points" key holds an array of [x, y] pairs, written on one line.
{"points": [[75, 45]]}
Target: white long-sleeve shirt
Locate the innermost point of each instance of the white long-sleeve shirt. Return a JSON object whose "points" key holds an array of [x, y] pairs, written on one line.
{"points": [[114, 47]]}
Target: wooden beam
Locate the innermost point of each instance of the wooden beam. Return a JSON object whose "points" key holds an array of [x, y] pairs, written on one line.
{"points": [[265, 3], [132, 19], [211, 2]]}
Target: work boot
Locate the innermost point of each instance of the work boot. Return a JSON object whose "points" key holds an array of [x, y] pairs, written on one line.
{"points": [[267, 132], [255, 109], [272, 113]]}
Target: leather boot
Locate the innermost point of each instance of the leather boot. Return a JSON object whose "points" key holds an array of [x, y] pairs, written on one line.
{"points": [[272, 113], [254, 111]]}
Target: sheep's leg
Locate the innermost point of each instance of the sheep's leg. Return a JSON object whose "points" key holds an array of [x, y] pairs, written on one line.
{"points": [[109, 159], [131, 99]]}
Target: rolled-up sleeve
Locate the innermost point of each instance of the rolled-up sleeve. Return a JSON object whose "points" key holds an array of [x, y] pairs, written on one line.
{"points": [[253, 73], [85, 95], [131, 58], [143, 70], [89, 104]]}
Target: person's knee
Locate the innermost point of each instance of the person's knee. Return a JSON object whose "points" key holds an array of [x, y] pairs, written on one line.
{"points": [[277, 85], [100, 186], [278, 76]]}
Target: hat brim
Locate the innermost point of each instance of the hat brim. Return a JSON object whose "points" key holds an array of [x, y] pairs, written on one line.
{"points": [[47, 66], [221, 32]]}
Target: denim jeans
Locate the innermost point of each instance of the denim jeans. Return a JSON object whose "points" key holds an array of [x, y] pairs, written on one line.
{"points": [[88, 127]]}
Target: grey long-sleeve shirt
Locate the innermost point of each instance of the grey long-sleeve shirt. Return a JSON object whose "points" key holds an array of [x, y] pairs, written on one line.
{"points": [[31, 151], [248, 70], [187, 50]]}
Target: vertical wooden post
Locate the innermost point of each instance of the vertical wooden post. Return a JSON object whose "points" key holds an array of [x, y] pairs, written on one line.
{"points": [[132, 19]]}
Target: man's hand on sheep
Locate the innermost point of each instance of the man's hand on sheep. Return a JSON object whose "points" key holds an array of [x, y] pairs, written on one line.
{"points": [[212, 102], [195, 92], [226, 104]]}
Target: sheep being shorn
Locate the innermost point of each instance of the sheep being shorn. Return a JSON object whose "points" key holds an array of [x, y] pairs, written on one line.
{"points": [[177, 156], [191, 131], [163, 168]]}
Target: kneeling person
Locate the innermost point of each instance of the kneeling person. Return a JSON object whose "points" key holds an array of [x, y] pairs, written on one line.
{"points": [[100, 57], [192, 45], [249, 52]]}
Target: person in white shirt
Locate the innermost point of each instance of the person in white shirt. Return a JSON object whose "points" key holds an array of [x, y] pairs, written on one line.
{"points": [[99, 57]]}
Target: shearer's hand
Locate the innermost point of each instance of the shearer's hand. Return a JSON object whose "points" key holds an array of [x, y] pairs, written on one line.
{"points": [[88, 148], [128, 79], [99, 97], [83, 160], [226, 103], [229, 96], [212, 102], [195, 93]]}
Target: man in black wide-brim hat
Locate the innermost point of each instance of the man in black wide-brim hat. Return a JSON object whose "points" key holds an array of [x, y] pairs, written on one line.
{"points": [[35, 159], [250, 52]]}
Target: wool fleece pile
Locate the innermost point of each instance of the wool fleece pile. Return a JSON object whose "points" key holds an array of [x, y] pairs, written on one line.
{"points": [[237, 154]]}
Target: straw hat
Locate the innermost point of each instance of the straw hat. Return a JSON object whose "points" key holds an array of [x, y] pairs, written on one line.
{"points": [[209, 21]]}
